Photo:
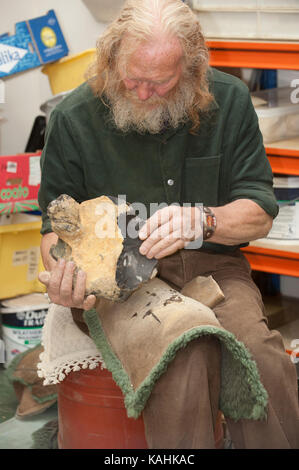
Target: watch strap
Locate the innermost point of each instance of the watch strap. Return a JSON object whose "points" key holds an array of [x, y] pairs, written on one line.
{"points": [[209, 223]]}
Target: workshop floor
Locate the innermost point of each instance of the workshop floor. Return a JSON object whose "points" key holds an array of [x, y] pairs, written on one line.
{"points": [[16, 433]]}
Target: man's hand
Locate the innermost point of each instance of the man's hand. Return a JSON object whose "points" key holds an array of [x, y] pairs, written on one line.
{"points": [[169, 230], [59, 283], [58, 279]]}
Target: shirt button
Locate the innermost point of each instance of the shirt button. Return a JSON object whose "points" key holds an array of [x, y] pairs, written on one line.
{"points": [[170, 182]]}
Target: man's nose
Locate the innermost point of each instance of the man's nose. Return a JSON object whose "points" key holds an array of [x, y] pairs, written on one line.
{"points": [[144, 91]]}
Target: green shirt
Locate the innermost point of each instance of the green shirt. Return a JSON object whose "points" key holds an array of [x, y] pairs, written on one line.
{"points": [[86, 156]]}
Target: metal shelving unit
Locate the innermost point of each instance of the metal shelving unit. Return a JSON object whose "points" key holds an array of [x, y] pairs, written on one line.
{"points": [[265, 55]]}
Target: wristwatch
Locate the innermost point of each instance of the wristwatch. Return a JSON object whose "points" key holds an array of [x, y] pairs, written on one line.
{"points": [[209, 223]]}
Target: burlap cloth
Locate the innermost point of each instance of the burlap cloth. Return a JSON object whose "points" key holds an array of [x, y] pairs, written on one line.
{"points": [[137, 339]]}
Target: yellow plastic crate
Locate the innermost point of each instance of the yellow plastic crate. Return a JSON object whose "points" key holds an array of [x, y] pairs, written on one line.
{"points": [[68, 73], [20, 259]]}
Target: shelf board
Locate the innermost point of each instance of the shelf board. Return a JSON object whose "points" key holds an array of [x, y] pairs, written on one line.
{"points": [[265, 55], [254, 54], [272, 261], [283, 160]]}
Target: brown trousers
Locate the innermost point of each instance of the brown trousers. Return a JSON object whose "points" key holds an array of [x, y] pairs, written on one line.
{"points": [[182, 409]]}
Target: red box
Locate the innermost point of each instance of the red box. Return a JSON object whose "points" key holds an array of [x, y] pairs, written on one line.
{"points": [[19, 182]]}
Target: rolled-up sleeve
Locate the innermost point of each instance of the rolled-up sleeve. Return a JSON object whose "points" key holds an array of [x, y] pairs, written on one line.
{"points": [[252, 176]]}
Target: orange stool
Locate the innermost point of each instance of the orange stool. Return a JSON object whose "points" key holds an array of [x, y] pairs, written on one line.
{"points": [[92, 414]]}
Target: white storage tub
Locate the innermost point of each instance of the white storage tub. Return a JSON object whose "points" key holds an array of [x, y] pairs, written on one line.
{"points": [[244, 5], [49, 105], [22, 321], [259, 19], [278, 116]]}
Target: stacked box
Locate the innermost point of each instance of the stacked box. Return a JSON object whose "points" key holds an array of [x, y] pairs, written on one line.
{"points": [[20, 177]]}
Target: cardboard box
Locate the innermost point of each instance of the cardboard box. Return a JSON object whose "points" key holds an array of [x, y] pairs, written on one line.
{"points": [[36, 42], [20, 178], [20, 256]]}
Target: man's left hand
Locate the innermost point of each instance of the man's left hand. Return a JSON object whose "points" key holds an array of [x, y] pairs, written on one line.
{"points": [[169, 230]]}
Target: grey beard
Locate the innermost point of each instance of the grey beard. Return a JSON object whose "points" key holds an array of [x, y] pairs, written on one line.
{"points": [[128, 116]]}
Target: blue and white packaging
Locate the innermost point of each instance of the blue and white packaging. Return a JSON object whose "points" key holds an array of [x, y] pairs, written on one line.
{"points": [[36, 42]]}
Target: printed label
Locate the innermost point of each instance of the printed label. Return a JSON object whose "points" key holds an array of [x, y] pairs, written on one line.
{"points": [[21, 331], [286, 224], [25, 319], [15, 193], [11, 167], [19, 340], [33, 260], [20, 258], [48, 37], [10, 56], [34, 171]]}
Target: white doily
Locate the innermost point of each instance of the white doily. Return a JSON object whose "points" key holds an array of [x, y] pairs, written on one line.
{"points": [[66, 347]]}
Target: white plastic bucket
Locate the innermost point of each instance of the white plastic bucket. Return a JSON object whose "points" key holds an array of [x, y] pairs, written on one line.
{"points": [[49, 105], [22, 321]]}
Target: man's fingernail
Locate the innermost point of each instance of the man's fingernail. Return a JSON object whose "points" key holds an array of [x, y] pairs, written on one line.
{"points": [[44, 276]]}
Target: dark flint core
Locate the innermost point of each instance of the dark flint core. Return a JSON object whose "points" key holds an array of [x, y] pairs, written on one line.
{"points": [[132, 268]]}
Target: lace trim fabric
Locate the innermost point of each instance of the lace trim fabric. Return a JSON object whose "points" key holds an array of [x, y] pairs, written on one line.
{"points": [[66, 348], [58, 373]]}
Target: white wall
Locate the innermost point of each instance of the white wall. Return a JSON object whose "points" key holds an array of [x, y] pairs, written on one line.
{"points": [[25, 92]]}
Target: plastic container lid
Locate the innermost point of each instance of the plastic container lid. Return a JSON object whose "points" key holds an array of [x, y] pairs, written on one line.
{"points": [[52, 102], [22, 303], [275, 101]]}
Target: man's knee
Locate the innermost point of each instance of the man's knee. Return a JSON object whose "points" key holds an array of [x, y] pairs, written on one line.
{"points": [[203, 352]]}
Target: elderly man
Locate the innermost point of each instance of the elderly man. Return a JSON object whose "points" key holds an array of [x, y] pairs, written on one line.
{"points": [[156, 124]]}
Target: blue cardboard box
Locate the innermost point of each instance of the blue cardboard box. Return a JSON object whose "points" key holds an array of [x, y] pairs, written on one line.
{"points": [[36, 42]]}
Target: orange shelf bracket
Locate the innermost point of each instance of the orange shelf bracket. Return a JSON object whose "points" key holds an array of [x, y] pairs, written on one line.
{"points": [[284, 161], [272, 261], [260, 55]]}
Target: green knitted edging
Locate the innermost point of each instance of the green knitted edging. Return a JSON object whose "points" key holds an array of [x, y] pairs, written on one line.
{"points": [[241, 379], [112, 362], [13, 367]]}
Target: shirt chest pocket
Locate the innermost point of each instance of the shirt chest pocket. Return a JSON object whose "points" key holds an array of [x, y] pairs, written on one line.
{"points": [[201, 180]]}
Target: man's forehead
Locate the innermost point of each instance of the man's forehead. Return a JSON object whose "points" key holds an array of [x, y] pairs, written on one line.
{"points": [[163, 56]]}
